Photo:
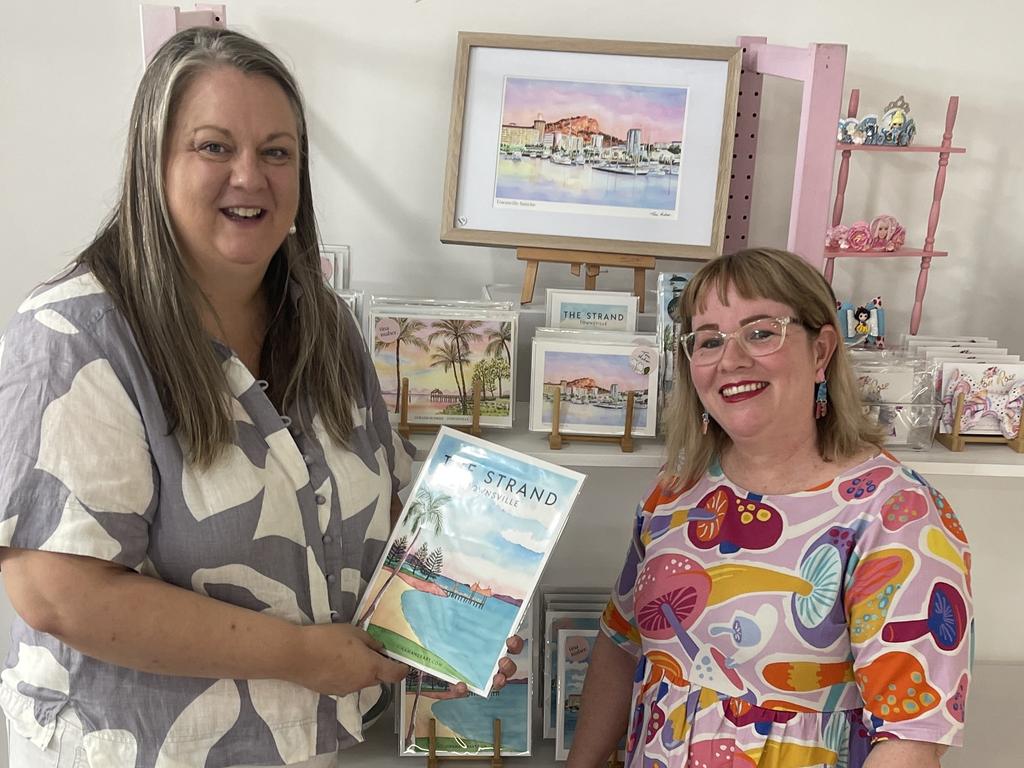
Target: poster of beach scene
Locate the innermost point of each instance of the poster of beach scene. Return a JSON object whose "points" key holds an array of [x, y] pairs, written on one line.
{"points": [[443, 356], [592, 382], [465, 557], [574, 649], [590, 147], [465, 725], [593, 310]]}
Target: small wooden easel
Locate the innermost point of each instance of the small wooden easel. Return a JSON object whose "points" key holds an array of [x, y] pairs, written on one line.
{"points": [[956, 442], [432, 758], [556, 438], [405, 429], [579, 260]]}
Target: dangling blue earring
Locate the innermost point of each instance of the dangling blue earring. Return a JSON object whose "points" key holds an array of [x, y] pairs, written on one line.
{"points": [[704, 419], [821, 399]]}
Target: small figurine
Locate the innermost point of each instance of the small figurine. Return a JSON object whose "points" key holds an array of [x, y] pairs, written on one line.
{"points": [[897, 129], [863, 325]]}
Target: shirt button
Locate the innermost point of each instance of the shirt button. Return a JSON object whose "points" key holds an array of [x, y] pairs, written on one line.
{"points": [[327, 539], [308, 460], [321, 500], [331, 578]]}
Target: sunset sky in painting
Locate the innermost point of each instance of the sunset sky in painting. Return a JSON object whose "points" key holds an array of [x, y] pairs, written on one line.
{"points": [[657, 110]]}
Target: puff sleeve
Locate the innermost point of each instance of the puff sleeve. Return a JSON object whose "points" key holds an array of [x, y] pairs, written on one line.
{"points": [[909, 607]]}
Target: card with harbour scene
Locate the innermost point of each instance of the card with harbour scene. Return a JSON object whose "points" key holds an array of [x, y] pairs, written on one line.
{"points": [[464, 558], [592, 381], [442, 354]]}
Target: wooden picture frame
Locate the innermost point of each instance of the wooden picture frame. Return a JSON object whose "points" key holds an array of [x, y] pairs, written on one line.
{"points": [[627, 205]]}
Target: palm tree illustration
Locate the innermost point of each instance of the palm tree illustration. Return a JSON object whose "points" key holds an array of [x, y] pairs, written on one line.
{"points": [[460, 333], [407, 329], [446, 356], [497, 342], [427, 509]]}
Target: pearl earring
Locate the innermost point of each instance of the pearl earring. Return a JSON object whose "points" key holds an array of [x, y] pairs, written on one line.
{"points": [[292, 230]]}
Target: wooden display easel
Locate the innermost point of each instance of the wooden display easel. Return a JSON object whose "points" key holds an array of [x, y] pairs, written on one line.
{"points": [[405, 429], [580, 260], [433, 759], [556, 438], [956, 442]]}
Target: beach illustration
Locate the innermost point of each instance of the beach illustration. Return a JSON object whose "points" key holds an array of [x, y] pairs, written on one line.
{"points": [[465, 725], [592, 387], [590, 147], [465, 556], [443, 358]]}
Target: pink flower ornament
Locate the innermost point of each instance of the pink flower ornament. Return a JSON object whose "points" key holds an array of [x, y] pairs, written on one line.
{"points": [[858, 237]]}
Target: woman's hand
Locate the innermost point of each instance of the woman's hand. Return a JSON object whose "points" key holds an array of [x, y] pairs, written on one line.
{"points": [[506, 668], [341, 658]]}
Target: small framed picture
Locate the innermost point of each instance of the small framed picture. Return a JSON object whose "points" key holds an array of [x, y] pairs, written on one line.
{"points": [[597, 310], [334, 265], [592, 381]]}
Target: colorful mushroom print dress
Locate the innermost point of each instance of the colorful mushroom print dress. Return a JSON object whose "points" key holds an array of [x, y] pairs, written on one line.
{"points": [[794, 630]]}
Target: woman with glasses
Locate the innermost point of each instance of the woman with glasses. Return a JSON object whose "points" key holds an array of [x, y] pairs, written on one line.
{"points": [[792, 595]]}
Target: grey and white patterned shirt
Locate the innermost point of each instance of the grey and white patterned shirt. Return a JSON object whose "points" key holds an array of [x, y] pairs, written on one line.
{"points": [[287, 522]]}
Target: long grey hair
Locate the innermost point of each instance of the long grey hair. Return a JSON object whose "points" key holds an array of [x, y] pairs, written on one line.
{"points": [[306, 352]]}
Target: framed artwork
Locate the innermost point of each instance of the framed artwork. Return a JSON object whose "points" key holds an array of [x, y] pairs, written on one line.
{"points": [[334, 265], [598, 310], [592, 145], [554, 622], [593, 380]]}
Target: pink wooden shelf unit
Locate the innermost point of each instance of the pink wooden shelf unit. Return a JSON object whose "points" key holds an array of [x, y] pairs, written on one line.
{"points": [[928, 252], [821, 68]]}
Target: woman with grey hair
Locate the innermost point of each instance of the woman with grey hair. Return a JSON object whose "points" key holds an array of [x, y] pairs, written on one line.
{"points": [[197, 472], [792, 595]]}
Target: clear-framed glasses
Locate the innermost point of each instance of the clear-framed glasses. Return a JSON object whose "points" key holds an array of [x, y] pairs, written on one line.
{"points": [[758, 338]]}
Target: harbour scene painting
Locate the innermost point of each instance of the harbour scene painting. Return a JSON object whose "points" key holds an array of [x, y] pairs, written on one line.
{"points": [[590, 147], [443, 357], [592, 385], [465, 557], [465, 725]]}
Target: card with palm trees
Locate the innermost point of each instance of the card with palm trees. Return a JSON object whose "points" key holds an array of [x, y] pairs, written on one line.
{"points": [[442, 354], [465, 556]]}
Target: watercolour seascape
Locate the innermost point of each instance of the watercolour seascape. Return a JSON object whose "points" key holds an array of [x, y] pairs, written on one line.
{"points": [[600, 148], [465, 556], [592, 381], [554, 622], [465, 725], [443, 354]]}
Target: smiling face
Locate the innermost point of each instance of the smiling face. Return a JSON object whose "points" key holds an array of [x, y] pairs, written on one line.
{"points": [[231, 173], [752, 398]]}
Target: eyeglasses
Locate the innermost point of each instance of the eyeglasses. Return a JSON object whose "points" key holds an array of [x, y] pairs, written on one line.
{"points": [[757, 338]]}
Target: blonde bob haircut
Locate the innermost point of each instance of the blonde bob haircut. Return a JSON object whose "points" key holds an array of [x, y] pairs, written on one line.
{"points": [[763, 273]]}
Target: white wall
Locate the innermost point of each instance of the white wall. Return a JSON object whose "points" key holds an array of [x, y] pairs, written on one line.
{"points": [[378, 74]]}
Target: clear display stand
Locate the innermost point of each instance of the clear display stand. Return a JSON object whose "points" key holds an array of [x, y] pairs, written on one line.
{"points": [[433, 760]]}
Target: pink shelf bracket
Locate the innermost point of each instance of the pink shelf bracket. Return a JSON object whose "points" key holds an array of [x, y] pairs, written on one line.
{"points": [[821, 68], [160, 22]]}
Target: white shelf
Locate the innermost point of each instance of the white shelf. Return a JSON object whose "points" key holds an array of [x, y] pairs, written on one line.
{"points": [[976, 460]]}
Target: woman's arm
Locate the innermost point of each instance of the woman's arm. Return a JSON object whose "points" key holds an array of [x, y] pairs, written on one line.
{"points": [[905, 754], [119, 616], [604, 710]]}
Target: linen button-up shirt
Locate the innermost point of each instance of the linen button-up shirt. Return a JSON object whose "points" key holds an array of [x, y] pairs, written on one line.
{"points": [[286, 522]]}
